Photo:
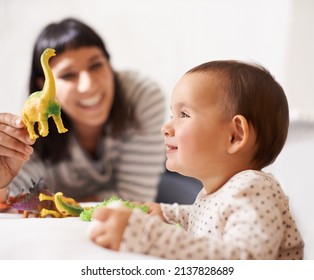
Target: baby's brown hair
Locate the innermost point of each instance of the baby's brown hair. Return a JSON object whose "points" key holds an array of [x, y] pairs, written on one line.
{"points": [[251, 91]]}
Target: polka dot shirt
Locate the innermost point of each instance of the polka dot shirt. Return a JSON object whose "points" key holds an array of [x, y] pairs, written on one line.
{"points": [[247, 218]]}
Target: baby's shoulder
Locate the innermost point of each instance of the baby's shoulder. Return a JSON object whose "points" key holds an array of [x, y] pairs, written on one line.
{"points": [[252, 181]]}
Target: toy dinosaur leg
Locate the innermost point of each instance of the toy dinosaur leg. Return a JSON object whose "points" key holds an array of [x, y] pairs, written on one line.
{"points": [[44, 212], [39, 126], [31, 131], [43, 124], [30, 127], [25, 214], [58, 121], [43, 196]]}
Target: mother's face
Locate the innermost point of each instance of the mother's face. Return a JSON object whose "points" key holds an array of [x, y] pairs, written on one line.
{"points": [[84, 85]]}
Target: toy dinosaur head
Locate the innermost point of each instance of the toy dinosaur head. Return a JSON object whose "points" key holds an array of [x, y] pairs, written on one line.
{"points": [[49, 53]]}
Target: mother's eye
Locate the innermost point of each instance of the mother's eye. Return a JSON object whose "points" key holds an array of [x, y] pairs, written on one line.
{"points": [[68, 76], [96, 65]]}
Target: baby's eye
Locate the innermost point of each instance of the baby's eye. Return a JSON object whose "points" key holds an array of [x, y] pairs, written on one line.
{"points": [[184, 115]]}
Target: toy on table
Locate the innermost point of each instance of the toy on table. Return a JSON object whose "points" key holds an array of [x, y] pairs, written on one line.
{"points": [[65, 206], [6, 205], [41, 202], [43, 104], [86, 215]]}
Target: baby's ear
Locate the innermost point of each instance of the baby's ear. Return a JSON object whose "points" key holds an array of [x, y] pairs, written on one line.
{"points": [[239, 134]]}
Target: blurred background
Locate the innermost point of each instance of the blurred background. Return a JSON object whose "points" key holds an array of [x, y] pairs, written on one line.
{"points": [[165, 38]]}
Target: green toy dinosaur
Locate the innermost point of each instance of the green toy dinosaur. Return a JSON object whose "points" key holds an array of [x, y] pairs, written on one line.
{"points": [[43, 104]]}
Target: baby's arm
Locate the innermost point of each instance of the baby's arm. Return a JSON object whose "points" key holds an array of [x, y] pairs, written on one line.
{"points": [[170, 213], [146, 234], [176, 214], [155, 209], [150, 235], [135, 231]]}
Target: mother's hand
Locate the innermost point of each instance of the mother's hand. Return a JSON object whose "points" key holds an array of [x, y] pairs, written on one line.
{"points": [[15, 147]]}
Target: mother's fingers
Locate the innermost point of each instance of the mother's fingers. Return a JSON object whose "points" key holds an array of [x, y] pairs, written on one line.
{"points": [[12, 125], [14, 154], [20, 134], [11, 147], [11, 120]]}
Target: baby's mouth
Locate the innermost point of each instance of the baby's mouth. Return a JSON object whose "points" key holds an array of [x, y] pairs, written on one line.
{"points": [[171, 148]]}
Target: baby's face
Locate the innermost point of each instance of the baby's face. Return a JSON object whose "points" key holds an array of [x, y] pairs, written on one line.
{"points": [[197, 135]]}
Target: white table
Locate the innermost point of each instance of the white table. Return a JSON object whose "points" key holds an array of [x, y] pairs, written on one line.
{"points": [[51, 239]]}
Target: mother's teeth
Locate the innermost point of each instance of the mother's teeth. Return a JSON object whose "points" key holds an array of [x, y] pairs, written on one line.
{"points": [[90, 101]]}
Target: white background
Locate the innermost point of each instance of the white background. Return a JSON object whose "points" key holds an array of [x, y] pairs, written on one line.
{"points": [[165, 38]]}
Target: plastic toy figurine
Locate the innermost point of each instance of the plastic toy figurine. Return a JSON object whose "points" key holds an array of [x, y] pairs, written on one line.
{"points": [[65, 206], [41, 202], [28, 203], [43, 104]]}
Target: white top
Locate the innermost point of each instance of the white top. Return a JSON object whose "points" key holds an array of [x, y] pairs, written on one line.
{"points": [[247, 218], [129, 167]]}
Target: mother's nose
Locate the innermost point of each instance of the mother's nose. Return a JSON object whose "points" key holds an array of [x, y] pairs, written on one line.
{"points": [[85, 82]]}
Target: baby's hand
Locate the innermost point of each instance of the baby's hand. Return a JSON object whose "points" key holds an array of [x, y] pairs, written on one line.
{"points": [[155, 209], [109, 227]]}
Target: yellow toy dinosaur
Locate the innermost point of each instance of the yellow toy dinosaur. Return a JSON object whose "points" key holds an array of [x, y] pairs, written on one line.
{"points": [[43, 104], [65, 206]]}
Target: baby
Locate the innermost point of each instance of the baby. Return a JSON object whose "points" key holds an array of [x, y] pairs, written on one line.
{"points": [[230, 120]]}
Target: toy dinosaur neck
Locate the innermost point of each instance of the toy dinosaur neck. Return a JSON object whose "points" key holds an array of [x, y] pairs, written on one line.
{"points": [[49, 89]]}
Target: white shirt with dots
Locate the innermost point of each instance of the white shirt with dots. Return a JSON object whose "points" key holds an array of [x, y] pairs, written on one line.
{"points": [[247, 218]]}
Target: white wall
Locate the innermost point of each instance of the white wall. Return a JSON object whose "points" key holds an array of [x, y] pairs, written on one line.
{"points": [[164, 38]]}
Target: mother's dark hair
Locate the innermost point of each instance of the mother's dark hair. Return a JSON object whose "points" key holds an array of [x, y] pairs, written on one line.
{"points": [[66, 35]]}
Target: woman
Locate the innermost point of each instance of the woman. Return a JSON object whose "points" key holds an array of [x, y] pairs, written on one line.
{"points": [[113, 144]]}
